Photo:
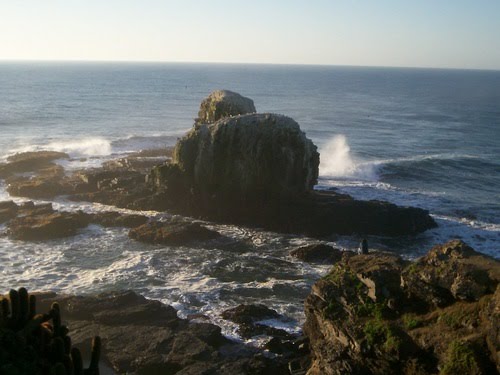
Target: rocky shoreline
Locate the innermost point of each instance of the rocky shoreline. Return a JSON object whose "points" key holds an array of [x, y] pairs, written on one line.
{"points": [[372, 313]]}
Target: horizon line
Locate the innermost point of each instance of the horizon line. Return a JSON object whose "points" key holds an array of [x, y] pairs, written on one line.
{"points": [[235, 63]]}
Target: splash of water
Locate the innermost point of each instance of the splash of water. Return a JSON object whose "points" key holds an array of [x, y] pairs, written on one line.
{"points": [[337, 161]]}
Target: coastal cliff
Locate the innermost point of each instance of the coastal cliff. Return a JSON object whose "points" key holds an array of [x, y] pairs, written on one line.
{"points": [[378, 314]]}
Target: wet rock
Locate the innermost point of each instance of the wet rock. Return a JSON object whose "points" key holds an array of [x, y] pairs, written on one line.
{"points": [[46, 226], [361, 319], [8, 210], [29, 162], [140, 336], [36, 188], [116, 219], [317, 253], [247, 314], [223, 103], [101, 179], [174, 233]]}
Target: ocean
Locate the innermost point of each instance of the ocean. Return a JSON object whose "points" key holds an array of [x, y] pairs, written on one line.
{"points": [[428, 138]]}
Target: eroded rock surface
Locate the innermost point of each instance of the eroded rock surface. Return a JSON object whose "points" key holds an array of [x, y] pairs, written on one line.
{"points": [[247, 156], [141, 336], [223, 103], [361, 319]]}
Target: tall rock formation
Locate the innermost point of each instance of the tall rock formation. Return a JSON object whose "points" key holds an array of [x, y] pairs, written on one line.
{"points": [[260, 169]]}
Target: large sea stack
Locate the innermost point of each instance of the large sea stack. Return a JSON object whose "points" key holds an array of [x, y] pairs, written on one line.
{"points": [[260, 169]]}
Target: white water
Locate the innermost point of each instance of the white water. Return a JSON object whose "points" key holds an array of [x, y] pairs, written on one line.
{"points": [[336, 161]]}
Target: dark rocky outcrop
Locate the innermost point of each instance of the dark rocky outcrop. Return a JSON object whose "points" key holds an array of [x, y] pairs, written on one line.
{"points": [[246, 314], [223, 103], [29, 162], [172, 232], [46, 226], [377, 314], [117, 219], [30, 222], [141, 336], [317, 253]]}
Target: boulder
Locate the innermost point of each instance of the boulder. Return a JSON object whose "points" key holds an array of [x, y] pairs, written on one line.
{"points": [[317, 253], [361, 319], [223, 103], [245, 314], [175, 233]]}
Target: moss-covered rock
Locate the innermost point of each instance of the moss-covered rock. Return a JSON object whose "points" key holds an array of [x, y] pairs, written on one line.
{"points": [[361, 319]]}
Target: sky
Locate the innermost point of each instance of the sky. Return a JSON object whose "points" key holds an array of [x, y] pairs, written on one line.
{"points": [[411, 33]]}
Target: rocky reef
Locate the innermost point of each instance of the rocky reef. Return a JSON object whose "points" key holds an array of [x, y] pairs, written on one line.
{"points": [[379, 314]]}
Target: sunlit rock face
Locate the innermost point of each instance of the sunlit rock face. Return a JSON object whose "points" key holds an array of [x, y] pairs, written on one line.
{"points": [[223, 103], [248, 155]]}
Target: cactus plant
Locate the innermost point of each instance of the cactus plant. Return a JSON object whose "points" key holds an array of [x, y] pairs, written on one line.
{"points": [[35, 344]]}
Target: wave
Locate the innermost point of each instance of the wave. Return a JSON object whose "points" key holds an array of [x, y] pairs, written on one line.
{"points": [[337, 161], [85, 147]]}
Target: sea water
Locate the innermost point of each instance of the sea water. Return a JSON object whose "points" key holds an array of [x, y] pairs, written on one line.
{"points": [[415, 137]]}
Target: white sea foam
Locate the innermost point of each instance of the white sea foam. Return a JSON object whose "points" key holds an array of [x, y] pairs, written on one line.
{"points": [[85, 147], [337, 161]]}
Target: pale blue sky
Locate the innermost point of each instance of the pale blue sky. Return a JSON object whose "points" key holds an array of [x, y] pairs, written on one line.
{"points": [[423, 33]]}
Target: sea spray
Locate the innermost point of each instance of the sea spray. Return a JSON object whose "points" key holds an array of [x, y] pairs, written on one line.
{"points": [[336, 161]]}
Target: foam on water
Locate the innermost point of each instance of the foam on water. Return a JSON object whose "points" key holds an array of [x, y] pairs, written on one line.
{"points": [[85, 147]]}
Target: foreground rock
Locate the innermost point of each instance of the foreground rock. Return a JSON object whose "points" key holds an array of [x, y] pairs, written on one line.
{"points": [[172, 233], [376, 314], [145, 337], [223, 103]]}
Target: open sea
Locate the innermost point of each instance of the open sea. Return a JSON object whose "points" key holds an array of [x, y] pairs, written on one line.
{"points": [[421, 137]]}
